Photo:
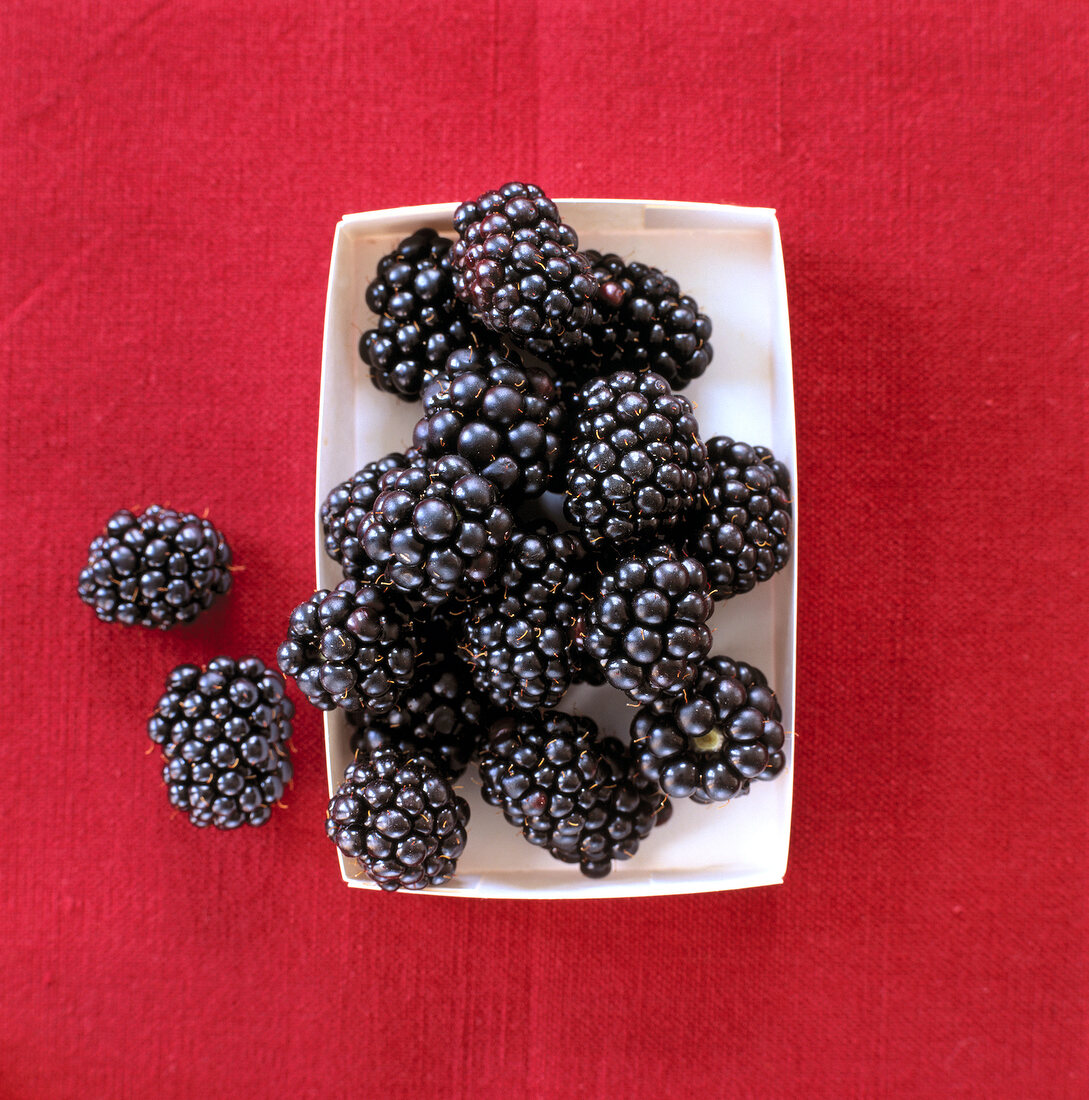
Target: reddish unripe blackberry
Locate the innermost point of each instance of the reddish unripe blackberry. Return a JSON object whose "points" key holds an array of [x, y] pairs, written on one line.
{"points": [[437, 530], [157, 569], [742, 536], [345, 508], [642, 321], [638, 466], [224, 731], [647, 624], [398, 817], [709, 746], [353, 647], [420, 320], [504, 418], [517, 265]]}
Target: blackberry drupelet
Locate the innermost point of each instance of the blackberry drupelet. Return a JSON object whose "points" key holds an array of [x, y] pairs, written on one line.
{"points": [[420, 320], [437, 530], [569, 792], [743, 535], [224, 731], [157, 569], [518, 267], [345, 508], [647, 625], [439, 713], [398, 817], [353, 647], [504, 418], [638, 465], [519, 638], [642, 321], [726, 732]]}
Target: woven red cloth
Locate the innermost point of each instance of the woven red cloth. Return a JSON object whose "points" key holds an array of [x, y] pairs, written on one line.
{"points": [[170, 178]]}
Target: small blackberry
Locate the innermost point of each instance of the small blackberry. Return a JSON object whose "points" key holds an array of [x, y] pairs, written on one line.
{"points": [[437, 530], [224, 731], [420, 320], [520, 638], [439, 713], [156, 569], [353, 648], [345, 508], [398, 817], [518, 267], [726, 732], [502, 417], [641, 321], [743, 535], [569, 792], [638, 465], [647, 625]]}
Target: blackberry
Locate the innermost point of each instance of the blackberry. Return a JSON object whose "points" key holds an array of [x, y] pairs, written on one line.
{"points": [[437, 530], [345, 508], [642, 321], [502, 417], [224, 731], [420, 320], [157, 569], [353, 647], [647, 625], [638, 465], [727, 732], [519, 638], [398, 817], [743, 536], [568, 792], [439, 713], [518, 267]]}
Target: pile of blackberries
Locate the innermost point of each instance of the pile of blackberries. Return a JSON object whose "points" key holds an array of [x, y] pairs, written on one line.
{"points": [[543, 371]]}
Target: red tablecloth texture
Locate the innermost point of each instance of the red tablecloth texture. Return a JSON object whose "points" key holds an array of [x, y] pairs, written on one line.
{"points": [[170, 179]]}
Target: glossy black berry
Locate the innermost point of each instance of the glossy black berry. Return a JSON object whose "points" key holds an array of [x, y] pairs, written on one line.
{"points": [[224, 731], [439, 713], [504, 418], [420, 320], [517, 265], [398, 817], [647, 624], [742, 536], [353, 647], [638, 466], [437, 529], [157, 569], [642, 321], [569, 792], [345, 508], [711, 744], [519, 637]]}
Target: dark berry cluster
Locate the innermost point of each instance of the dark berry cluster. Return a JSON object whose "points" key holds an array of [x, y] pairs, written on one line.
{"points": [[420, 320], [224, 732], [517, 265], [743, 534], [157, 569], [466, 617], [398, 817], [353, 648], [642, 321], [638, 465]]}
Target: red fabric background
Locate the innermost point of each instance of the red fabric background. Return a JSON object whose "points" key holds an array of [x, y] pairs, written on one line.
{"points": [[170, 179]]}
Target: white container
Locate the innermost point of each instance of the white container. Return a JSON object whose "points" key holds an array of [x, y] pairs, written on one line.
{"points": [[730, 259]]}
